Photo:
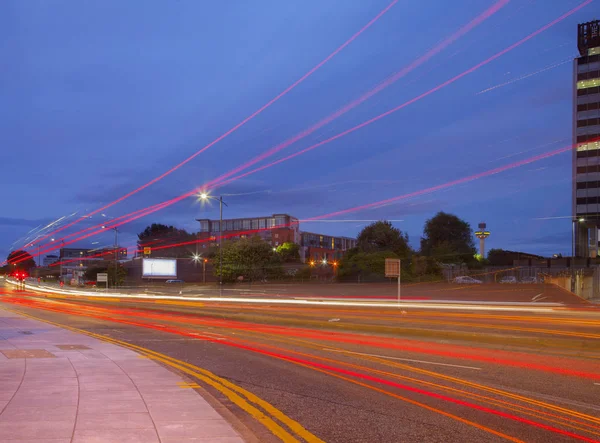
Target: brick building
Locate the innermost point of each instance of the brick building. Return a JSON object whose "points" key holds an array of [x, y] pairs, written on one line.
{"points": [[277, 229]]}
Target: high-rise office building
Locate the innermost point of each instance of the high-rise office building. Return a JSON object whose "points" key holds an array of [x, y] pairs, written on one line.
{"points": [[586, 139]]}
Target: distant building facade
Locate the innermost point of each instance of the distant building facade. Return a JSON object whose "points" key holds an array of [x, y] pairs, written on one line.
{"points": [[49, 259], [276, 229], [320, 247], [586, 139]]}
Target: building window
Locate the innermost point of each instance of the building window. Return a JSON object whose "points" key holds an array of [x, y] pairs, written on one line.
{"points": [[237, 225], [270, 222], [279, 221], [216, 226], [229, 225], [246, 224], [254, 224], [262, 223], [204, 226]]}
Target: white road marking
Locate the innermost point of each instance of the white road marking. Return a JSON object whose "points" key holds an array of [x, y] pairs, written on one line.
{"points": [[403, 359], [536, 297]]}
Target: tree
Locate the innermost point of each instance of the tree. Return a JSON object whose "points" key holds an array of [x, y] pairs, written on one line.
{"points": [[365, 265], [250, 258], [289, 252], [21, 260], [448, 239], [422, 266], [159, 235], [91, 273], [382, 236]]}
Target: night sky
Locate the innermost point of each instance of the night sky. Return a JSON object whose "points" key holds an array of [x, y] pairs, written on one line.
{"points": [[97, 98]]}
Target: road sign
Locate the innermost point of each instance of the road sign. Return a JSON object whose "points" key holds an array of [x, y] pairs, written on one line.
{"points": [[392, 267], [147, 251], [102, 277]]}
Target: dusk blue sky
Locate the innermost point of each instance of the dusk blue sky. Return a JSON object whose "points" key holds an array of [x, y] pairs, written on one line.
{"points": [[99, 97]]}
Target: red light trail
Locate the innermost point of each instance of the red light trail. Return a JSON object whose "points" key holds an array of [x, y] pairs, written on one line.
{"points": [[419, 97], [143, 212], [236, 127], [109, 315], [388, 82]]}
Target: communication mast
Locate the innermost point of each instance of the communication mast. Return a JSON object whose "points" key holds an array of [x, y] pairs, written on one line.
{"points": [[482, 234]]}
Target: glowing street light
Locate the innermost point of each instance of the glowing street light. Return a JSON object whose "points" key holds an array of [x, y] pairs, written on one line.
{"points": [[204, 196]]}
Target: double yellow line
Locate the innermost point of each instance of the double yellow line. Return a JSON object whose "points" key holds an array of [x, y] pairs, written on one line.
{"points": [[285, 428]]}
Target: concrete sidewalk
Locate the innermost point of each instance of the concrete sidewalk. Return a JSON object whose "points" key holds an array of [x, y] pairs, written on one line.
{"points": [[59, 386]]}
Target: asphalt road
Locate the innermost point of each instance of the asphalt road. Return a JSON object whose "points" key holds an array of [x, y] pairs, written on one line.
{"points": [[493, 292], [373, 374]]}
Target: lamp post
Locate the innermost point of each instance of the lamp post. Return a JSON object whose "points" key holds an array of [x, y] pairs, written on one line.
{"points": [[116, 253], [204, 196], [574, 222]]}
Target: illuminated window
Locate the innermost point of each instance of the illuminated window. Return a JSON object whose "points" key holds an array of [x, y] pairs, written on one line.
{"points": [[588, 146], [332, 243], [594, 51], [270, 222], [591, 83]]}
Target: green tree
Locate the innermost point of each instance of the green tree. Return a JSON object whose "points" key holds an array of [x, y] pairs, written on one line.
{"points": [[368, 266], [21, 260], [382, 236], [158, 235], [422, 266], [448, 239], [250, 258], [289, 252], [91, 273]]}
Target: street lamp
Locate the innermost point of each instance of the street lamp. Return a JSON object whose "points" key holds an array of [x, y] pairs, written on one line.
{"points": [[116, 252], [580, 220], [204, 196]]}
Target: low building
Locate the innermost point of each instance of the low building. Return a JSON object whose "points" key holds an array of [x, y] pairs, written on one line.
{"points": [[320, 247], [49, 259], [276, 229]]}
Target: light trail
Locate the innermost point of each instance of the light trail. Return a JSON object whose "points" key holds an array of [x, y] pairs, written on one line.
{"points": [[523, 77], [414, 100], [384, 84], [280, 355], [389, 81], [150, 210], [243, 122], [447, 184]]}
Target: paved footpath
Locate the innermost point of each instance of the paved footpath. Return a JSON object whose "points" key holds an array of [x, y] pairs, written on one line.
{"points": [[59, 386]]}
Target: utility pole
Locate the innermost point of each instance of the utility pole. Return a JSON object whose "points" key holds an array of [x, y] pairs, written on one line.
{"points": [[116, 255], [221, 241]]}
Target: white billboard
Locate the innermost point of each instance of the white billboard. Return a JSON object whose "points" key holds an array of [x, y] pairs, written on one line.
{"points": [[159, 268]]}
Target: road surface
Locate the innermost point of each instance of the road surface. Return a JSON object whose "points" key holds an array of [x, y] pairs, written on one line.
{"points": [[357, 374]]}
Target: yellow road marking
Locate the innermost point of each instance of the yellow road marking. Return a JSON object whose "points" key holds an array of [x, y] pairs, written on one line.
{"points": [[433, 374], [229, 389]]}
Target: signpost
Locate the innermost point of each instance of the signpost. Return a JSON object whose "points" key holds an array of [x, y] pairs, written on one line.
{"points": [[392, 269], [102, 277]]}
